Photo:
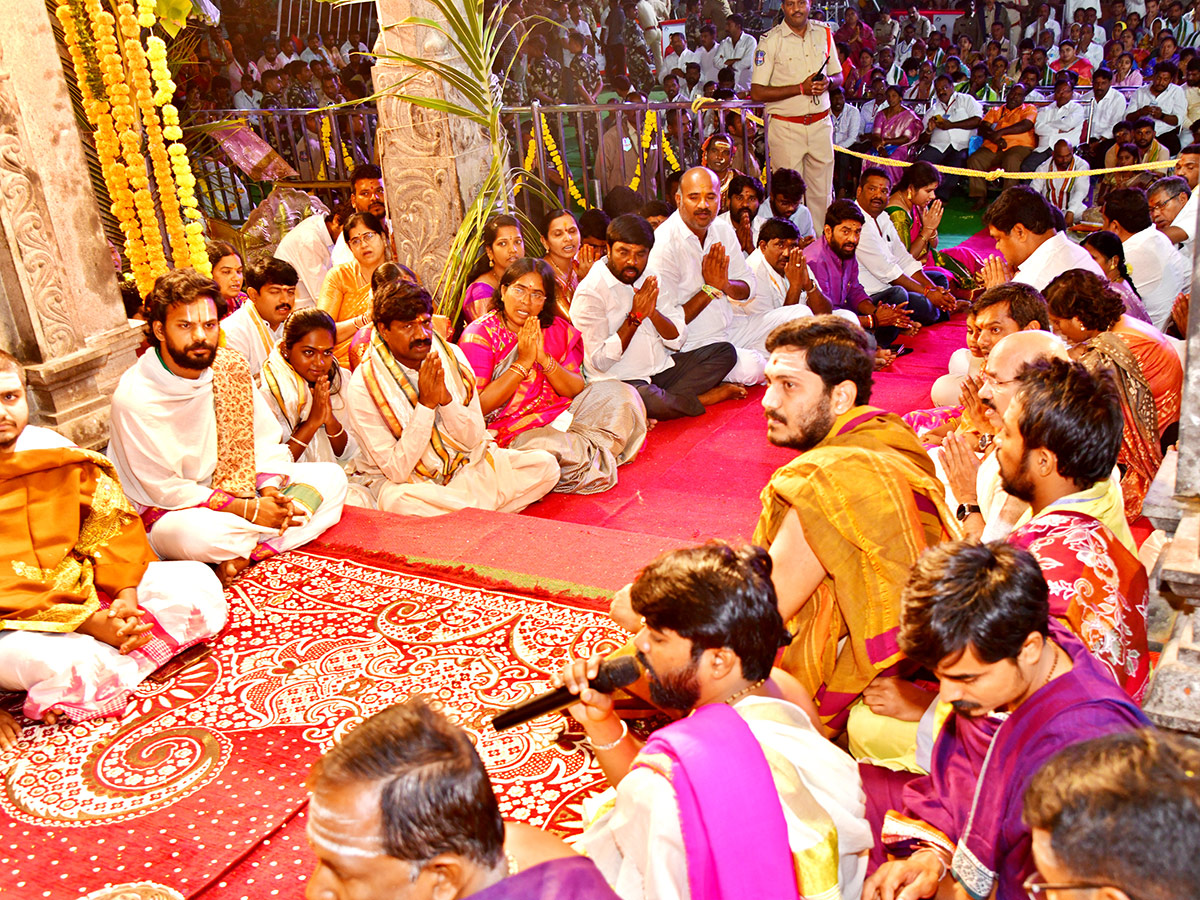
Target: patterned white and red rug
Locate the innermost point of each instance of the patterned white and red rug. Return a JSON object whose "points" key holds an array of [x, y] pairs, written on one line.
{"points": [[204, 769]]}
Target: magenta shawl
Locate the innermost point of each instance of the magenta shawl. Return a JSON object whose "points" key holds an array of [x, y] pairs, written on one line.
{"points": [[734, 831]]}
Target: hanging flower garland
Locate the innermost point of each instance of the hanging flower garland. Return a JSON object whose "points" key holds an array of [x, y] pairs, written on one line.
{"points": [[120, 93]]}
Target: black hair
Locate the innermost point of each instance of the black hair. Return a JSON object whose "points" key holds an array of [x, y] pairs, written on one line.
{"points": [[1025, 303], [1078, 293], [739, 183], [306, 321], [655, 208], [1102, 72], [434, 792], [874, 172], [630, 229], [551, 216], [715, 596], [1109, 246], [622, 199], [218, 250], [1129, 208], [789, 184], [920, 174], [960, 594], [593, 223], [364, 172], [1074, 413], [737, 19], [524, 266], [1136, 790], [371, 220], [1019, 205], [840, 211], [778, 229], [834, 349], [178, 287], [269, 270], [392, 271], [399, 301], [491, 230]]}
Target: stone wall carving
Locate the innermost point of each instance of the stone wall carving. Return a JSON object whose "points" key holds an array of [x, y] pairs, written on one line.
{"points": [[27, 227]]}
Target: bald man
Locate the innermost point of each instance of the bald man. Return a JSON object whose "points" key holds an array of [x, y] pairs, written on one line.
{"points": [[987, 511]]}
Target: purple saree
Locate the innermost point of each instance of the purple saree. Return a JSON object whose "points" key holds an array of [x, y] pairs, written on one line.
{"points": [[575, 877]]}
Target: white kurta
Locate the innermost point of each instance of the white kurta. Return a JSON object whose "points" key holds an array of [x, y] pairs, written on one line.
{"points": [[309, 248], [164, 446], [248, 333], [676, 258], [492, 478], [638, 844]]}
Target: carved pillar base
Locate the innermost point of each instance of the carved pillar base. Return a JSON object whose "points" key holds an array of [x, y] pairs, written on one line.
{"points": [[60, 311]]}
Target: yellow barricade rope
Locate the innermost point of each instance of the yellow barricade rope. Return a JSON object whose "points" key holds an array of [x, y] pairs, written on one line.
{"points": [[997, 174]]}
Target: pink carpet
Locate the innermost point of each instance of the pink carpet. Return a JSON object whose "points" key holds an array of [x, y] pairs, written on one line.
{"points": [[700, 478]]}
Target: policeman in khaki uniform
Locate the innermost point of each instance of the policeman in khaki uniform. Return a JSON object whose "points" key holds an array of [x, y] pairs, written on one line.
{"points": [[794, 67]]}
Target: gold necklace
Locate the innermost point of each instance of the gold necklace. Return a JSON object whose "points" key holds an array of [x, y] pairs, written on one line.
{"points": [[746, 690]]}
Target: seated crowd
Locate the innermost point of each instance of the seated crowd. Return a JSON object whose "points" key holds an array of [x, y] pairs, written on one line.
{"points": [[928, 665]]}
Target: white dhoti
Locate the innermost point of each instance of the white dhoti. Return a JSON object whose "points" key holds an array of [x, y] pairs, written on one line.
{"points": [[86, 678], [748, 334], [808, 149], [212, 536], [503, 480]]}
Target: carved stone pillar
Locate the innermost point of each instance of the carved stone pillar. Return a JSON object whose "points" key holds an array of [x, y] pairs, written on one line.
{"points": [[432, 164], [60, 311]]}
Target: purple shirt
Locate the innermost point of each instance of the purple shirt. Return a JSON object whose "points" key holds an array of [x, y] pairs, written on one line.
{"points": [[836, 277]]}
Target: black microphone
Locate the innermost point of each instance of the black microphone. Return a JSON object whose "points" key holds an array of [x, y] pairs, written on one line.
{"points": [[614, 674]]}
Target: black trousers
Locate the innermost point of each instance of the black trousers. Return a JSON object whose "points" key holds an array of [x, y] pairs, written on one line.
{"points": [[674, 393]]}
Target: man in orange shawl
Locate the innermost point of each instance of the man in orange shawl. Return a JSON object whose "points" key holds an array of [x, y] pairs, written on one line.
{"points": [[845, 520], [86, 610]]}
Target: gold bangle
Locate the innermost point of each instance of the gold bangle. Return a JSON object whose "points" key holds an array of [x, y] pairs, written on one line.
{"points": [[520, 369]]}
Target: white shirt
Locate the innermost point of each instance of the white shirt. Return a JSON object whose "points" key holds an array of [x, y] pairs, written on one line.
{"points": [[242, 333], [740, 56], [1059, 123], [1067, 194], [1073, 5], [349, 48], [801, 218], [961, 106], [34, 437], [676, 259], [1172, 101], [1186, 220], [276, 64], [755, 224], [1051, 259], [308, 248], [708, 62], [772, 287], [847, 126], [242, 100], [867, 113], [1106, 113], [1036, 28], [599, 307], [1157, 270], [881, 255]]}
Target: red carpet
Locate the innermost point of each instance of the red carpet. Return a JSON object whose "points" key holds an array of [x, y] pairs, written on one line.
{"points": [[700, 478], [184, 787]]}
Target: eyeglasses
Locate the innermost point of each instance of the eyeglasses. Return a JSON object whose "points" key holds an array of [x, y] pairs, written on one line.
{"points": [[990, 379], [362, 240], [1036, 889], [520, 292], [1155, 207]]}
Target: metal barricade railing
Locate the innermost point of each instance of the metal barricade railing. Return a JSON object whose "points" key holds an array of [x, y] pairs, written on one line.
{"points": [[323, 146], [580, 136], [302, 17]]}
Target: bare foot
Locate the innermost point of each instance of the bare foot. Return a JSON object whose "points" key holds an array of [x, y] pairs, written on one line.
{"points": [[10, 731], [723, 391], [898, 698], [913, 329], [53, 717], [650, 423], [228, 570], [884, 358]]}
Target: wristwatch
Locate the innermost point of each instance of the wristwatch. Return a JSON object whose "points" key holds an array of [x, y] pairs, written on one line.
{"points": [[965, 509]]}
